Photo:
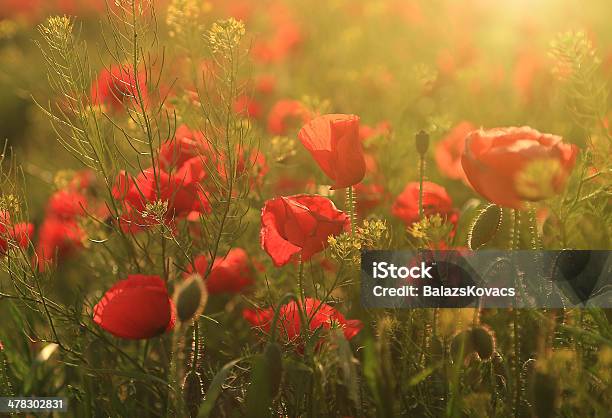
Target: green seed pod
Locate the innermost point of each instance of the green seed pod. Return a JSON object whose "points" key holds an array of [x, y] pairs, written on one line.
{"points": [[274, 362], [422, 142], [483, 342], [193, 391], [190, 298]]}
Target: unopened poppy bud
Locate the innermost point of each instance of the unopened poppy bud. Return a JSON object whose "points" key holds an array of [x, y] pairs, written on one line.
{"points": [[190, 298], [483, 342], [422, 142], [193, 391]]}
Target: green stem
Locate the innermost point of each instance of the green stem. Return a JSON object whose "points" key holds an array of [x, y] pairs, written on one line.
{"points": [[516, 229], [195, 345], [421, 178], [301, 281], [517, 361], [516, 321], [350, 208], [283, 301], [145, 353]]}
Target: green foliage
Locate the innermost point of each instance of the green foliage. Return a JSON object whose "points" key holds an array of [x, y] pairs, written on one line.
{"points": [[418, 65]]}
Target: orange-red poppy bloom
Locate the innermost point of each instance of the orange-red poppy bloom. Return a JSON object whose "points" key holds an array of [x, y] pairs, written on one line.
{"points": [[20, 233], [321, 315], [229, 274], [286, 114], [333, 141], [509, 166], [136, 308], [449, 151], [117, 87], [435, 201], [299, 225]]}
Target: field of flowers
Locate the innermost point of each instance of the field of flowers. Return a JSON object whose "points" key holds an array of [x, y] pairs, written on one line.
{"points": [[186, 187]]}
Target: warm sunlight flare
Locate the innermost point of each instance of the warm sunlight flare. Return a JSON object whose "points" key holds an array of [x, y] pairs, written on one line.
{"points": [[298, 208]]}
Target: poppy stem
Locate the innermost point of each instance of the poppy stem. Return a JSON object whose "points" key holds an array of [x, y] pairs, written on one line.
{"points": [[283, 301], [195, 345], [516, 229], [145, 353], [301, 280], [421, 177], [350, 208]]}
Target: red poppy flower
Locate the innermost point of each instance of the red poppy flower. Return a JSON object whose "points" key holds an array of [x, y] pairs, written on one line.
{"points": [[247, 106], [255, 166], [285, 39], [530, 69], [82, 180], [20, 233], [368, 197], [299, 225], [66, 204], [183, 196], [333, 141], [435, 201], [23, 9], [450, 149], [117, 87], [186, 145], [284, 185], [286, 114], [290, 325], [136, 308], [509, 166], [366, 131], [58, 237], [265, 84], [229, 274]]}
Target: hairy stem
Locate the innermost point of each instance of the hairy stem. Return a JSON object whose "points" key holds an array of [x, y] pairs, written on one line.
{"points": [[421, 178], [350, 208]]}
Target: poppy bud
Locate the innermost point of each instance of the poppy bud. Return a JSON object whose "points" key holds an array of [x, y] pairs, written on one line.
{"points": [[483, 342], [192, 388], [478, 340], [422, 142], [190, 298]]}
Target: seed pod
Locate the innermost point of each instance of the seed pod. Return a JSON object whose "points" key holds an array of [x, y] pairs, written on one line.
{"points": [[190, 298], [483, 342], [422, 142], [193, 391], [274, 361]]}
